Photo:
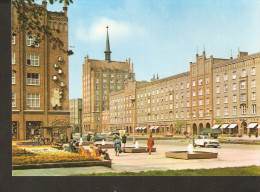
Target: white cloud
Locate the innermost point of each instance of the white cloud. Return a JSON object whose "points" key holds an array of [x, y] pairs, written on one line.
{"points": [[117, 30]]}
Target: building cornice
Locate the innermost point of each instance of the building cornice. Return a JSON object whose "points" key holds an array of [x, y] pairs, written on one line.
{"points": [[234, 61]]}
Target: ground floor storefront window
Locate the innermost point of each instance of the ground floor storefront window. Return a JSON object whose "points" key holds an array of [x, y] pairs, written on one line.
{"points": [[32, 129], [14, 130]]}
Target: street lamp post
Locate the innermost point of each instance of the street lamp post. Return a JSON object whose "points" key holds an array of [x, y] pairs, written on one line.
{"points": [[133, 106]]}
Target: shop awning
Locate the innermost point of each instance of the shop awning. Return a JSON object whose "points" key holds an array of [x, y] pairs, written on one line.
{"points": [[216, 126], [224, 126], [232, 125], [156, 127], [143, 128], [252, 125], [258, 127], [151, 127], [136, 128]]}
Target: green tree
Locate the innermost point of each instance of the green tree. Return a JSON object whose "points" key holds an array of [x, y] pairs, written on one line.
{"points": [[30, 18], [178, 125]]}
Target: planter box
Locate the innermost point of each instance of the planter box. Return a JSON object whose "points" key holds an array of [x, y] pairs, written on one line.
{"points": [[105, 163], [87, 142], [195, 155], [106, 146], [136, 150]]}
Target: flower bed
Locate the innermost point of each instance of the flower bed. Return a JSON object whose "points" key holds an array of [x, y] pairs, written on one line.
{"points": [[29, 144], [28, 156], [52, 158], [18, 151]]}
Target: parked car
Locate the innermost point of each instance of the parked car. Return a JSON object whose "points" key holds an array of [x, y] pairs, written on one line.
{"points": [[114, 133], [167, 134], [99, 137], [205, 141]]}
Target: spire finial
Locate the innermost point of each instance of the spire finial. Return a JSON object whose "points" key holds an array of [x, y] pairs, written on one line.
{"points": [[203, 47], [107, 51], [197, 50]]}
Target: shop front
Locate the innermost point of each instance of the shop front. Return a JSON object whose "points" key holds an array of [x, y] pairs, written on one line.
{"points": [[33, 129], [14, 130]]}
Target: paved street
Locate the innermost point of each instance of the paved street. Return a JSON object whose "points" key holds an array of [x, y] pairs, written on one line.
{"points": [[229, 155]]}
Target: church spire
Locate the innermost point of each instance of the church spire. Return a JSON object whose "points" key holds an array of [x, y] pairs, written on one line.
{"points": [[107, 51]]}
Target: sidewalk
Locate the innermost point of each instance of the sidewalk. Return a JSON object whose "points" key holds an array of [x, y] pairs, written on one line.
{"points": [[228, 156], [222, 139]]}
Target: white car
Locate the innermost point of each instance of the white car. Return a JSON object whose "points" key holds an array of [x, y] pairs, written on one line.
{"points": [[205, 141]]}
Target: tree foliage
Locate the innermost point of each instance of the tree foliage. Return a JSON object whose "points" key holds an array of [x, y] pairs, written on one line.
{"points": [[30, 19], [178, 125]]}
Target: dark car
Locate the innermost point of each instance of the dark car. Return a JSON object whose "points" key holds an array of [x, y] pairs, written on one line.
{"points": [[114, 133], [99, 137]]}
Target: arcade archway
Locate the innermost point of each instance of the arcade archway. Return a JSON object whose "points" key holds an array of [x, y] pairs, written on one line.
{"points": [[194, 129]]}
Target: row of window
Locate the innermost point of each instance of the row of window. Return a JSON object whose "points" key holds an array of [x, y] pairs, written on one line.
{"points": [[242, 98], [234, 86], [243, 110], [112, 75], [200, 82], [234, 76], [111, 81], [32, 78], [32, 100], [30, 40], [31, 59], [200, 113]]}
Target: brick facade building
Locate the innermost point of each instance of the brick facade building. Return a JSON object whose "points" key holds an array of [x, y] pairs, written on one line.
{"points": [[40, 81], [101, 77], [76, 115], [215, 93]]}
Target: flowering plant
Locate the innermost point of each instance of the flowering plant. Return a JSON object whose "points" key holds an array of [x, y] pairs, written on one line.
{"points": [[52, 158], [16, 150]]}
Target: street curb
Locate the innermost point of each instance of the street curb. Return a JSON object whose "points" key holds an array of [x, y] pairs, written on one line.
{"points": [[105, 163]]}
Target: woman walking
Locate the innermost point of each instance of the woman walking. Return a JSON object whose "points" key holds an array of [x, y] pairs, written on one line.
{"points": [[117, 145], [150, 144]]}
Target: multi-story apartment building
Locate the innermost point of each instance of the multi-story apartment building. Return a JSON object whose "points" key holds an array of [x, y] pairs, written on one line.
{"points": [[201, 96], [236, 86], [76, 115], [214, 90], [101, 77], [151, 106], [40, 89]]}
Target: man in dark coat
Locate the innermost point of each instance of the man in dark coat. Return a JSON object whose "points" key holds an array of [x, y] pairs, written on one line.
{"points": [[88, 137], [124, 140]]}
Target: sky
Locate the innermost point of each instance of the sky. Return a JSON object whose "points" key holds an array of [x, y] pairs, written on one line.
{"points": [[159, 36]]}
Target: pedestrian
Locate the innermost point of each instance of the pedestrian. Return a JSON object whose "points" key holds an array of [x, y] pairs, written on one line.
{"points": [[117, 145], [71, 147], [103, 153], [88, 137], [124, 140], [76, 144], [150, 144], [192, 140]]}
